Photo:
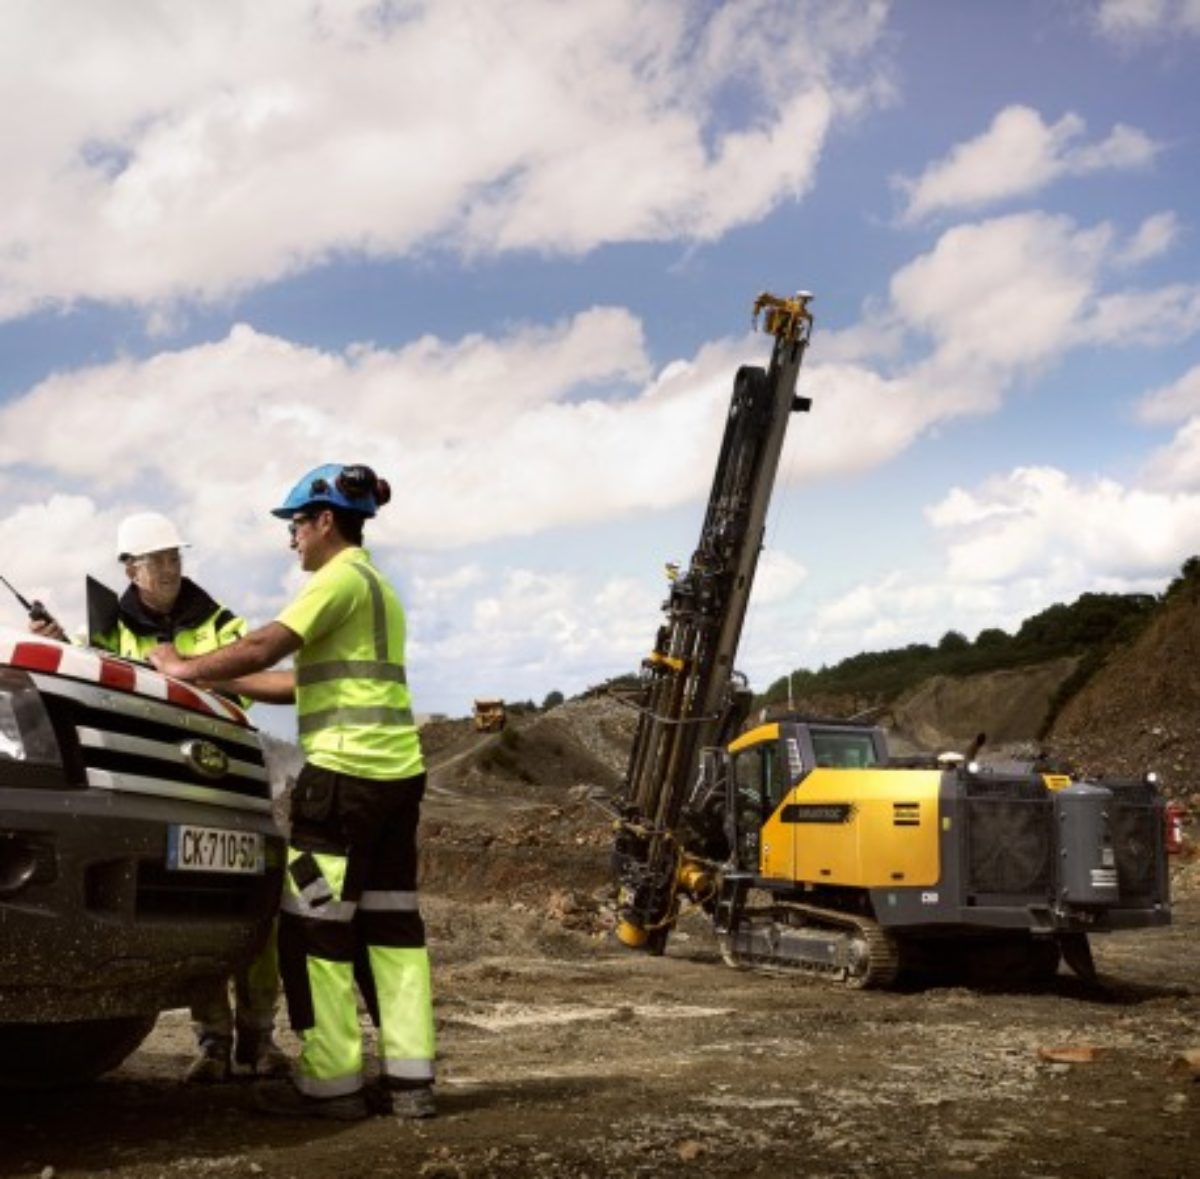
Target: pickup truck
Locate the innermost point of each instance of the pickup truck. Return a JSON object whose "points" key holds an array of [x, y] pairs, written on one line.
{"points": [[139, 859]]}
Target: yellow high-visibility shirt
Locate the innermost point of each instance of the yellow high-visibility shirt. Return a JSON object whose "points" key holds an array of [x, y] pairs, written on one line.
{"points": [[353, 706]]}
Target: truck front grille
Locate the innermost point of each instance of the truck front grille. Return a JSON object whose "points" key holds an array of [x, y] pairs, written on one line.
{"points": [[128, 743], [139, 888], [162, 893]]}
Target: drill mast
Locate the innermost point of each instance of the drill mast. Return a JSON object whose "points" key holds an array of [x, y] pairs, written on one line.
{"points": [[690, 697]]}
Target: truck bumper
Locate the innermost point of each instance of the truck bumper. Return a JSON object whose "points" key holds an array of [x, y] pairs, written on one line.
{"points": [[93, 924]]}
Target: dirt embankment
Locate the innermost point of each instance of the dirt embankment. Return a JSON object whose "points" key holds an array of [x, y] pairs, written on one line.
{"points": [[945, 713], [1141, 711], [1009, 706], [510, 815]]}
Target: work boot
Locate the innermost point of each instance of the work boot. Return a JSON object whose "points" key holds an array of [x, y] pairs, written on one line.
{"points": [[404, 1104], [259, 1052], [282, 1099], [211, 1065]]}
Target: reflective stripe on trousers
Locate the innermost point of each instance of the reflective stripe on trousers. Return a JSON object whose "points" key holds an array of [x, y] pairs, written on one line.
{"points": [[406, 1000], [327, 935], [330, 1063]]}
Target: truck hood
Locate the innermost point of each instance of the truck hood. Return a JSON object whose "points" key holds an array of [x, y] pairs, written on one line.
{"points": [[21, 649]]}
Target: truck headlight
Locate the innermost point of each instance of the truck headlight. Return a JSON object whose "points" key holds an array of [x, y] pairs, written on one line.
{"points": [[26, 733]]}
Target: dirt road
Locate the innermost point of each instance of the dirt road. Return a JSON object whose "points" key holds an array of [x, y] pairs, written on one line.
{"points": [[564, 1056]]}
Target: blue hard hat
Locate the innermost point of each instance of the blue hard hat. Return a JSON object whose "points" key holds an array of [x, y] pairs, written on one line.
{"points": [[351, 486]]}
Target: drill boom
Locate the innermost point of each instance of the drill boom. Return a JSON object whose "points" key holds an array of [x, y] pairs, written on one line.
{"points": [[689, 693]]}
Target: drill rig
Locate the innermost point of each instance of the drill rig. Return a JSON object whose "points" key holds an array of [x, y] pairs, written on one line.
{"points": [[808, 845]]}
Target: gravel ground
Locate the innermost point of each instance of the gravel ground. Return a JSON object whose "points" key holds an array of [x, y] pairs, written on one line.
{"points": [[562, 1055]]}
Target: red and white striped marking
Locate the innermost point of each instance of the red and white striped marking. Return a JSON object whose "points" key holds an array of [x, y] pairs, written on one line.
{"points": [[95, 667]]}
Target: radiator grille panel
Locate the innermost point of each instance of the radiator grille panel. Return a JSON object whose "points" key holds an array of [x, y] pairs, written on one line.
{"points": [[1010, 845], [1136, 832]]}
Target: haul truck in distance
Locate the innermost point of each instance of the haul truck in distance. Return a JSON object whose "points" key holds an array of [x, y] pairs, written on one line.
{"points": [[809, 846], [489, 714]]}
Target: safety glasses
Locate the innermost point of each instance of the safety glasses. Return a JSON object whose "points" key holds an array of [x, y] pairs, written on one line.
{"points": [[298, 521], [162, 560]]}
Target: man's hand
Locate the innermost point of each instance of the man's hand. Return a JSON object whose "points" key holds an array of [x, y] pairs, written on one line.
{"points": [[47, 628], [166, 659], [255, 652]]}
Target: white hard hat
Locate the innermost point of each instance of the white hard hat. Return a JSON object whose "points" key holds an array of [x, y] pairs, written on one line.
{"points": [[146, 532]]}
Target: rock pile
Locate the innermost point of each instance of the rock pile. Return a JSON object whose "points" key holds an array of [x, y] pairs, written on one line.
{"points": [[1141, 711]]}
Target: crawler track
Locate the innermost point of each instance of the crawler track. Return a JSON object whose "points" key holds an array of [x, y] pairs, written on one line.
{"points": [[787, 937]]}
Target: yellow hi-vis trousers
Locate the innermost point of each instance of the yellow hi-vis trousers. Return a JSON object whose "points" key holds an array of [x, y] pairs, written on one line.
{"points": [[350, 916]]}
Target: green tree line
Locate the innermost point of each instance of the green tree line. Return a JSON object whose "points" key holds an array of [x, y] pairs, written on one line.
{"points": [[1092, 626]]}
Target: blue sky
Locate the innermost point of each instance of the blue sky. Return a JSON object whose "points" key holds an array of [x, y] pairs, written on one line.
{"points": [[506, 254]]}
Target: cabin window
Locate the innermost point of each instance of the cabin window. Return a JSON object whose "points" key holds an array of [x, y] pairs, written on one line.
{"points": [[836, 747]]}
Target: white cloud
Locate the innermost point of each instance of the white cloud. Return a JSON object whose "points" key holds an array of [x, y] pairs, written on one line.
{"points": [[1018, 155], [1133, 21], [182, 154], [878, 336], [1174, 467], [1001, 551], [559, 424], [1177, 465], [528, 632], [223, 429], [565, 424], [1038, 519], [1173, 402], [920, 604], [1149, 318], [41, 568], [777, 578], [899, 608], [1154, 237], [1002, 294], [450, 584], [1004, 298], [990, 304]]}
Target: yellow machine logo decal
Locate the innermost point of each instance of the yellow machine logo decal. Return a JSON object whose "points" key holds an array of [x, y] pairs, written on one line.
{"points": [[1056, 781]]}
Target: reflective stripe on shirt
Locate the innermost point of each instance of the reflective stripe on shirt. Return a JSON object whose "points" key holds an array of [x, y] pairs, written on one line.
{"points": [[328, 718], [357, 669], [353, 704], [378, 610]]}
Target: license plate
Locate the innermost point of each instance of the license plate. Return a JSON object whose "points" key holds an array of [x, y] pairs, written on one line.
{"points": [[214, 849]]}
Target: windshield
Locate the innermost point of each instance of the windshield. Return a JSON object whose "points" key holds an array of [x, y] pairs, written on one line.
{"points": [[837, 747]]}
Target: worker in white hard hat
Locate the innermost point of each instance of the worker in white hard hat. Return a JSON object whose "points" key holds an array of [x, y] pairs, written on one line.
{"points": [[161, 605]]}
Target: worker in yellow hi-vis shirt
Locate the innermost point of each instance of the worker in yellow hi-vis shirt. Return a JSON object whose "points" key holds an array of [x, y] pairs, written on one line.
{"points": [[350, 911]]}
